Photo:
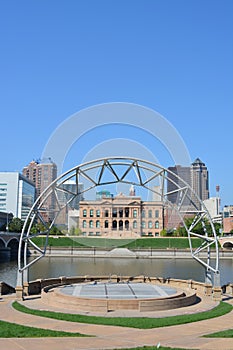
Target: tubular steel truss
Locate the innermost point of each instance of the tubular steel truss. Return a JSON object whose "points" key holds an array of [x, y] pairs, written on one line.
{"points": [[108, 171]]}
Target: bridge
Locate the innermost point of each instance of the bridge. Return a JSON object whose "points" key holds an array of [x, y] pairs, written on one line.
{"points": [[9, 243], [226, 242]]}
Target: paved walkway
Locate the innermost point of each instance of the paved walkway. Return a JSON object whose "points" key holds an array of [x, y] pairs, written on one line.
{"points": [[109, 337]]}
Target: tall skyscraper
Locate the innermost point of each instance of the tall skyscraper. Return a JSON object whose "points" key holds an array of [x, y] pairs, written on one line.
{"points": [[200, 180], [196, 176], [174, 183], [42, 173], [70, 188]]}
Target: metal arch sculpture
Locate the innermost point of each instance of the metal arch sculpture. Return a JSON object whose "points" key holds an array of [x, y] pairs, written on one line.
{"points": [[108, 171]]}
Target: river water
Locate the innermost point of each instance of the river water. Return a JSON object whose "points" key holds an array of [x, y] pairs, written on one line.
{"points": [[73, 266]]}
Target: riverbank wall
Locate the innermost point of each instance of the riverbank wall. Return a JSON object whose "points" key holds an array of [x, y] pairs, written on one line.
{"points": [[126, 253]]}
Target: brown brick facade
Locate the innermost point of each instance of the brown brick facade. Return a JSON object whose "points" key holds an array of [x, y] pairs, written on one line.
{"points": [[121, 216]]}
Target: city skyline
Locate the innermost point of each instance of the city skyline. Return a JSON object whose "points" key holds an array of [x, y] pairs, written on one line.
{"points": [[173, 57]]}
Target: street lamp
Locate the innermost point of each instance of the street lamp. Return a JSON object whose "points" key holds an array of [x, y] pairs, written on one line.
{"points": [[7, 221]]}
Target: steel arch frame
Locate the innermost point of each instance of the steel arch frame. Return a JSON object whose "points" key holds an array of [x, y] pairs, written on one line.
{"points": [[131, 165]]}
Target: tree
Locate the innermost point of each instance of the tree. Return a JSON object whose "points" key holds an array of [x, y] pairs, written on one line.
{"points": [[15, 225], [198, 228], [55, 231], [163, 233], [72, 231], [181, 231], [75, 231]]}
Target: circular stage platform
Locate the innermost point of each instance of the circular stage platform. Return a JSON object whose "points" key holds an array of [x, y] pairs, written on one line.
{"points": [[118, 290], [103, 296]]}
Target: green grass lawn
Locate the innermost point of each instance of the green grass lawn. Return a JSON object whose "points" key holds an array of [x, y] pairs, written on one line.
{"points": [[223, 334], [154, 348], [13, 330], [154, 243], [136, 322]]}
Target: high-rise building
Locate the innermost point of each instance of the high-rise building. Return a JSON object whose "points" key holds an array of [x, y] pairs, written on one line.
{"points": [[200, 180], [17, 194], [69, 197], [196, 176], [175, 183], [42, 173], [70, 189]]}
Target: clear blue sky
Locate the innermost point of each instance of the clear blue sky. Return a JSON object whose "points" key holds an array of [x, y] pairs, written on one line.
{"points": [[174, 56]]}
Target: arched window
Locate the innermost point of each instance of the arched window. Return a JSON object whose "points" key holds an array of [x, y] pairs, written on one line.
{"points": [[106, 224], [135, 212], [135, 224], [156, 224], [91, 213], [114, 225], [91, 223], [156, 213], [97, 213], [121, 225], [106, 213], [143, 213], [97, 224], [126, 224], [143, 224], [150, 214], [84, 213], [126, 212], [150, 224], [84, 224]]}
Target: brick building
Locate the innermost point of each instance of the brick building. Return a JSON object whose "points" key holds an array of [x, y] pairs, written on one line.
{"points": [[42, 174], [120, 216], [228, 218]]}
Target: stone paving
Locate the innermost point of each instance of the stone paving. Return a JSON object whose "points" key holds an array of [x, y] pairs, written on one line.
{"points": [[110, 337]]}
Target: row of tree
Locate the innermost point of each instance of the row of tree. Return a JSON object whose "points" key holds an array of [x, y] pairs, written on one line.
{"points": [[182, 232], [16, 225]]}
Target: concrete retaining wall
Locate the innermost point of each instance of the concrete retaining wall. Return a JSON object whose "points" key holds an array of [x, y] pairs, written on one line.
{"points": [[138, 253], [35, 287]]}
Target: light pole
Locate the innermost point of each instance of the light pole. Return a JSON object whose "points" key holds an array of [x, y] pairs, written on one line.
{"points": [[7, 222]]}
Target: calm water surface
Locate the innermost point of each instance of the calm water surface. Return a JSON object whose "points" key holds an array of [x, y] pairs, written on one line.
{"points": [[68, 266]]}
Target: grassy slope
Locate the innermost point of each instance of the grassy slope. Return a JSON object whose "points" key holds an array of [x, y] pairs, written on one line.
{"points": [[155, 243]]}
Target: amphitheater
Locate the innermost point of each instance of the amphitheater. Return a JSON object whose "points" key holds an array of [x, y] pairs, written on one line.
{"points": [[103, 294]]}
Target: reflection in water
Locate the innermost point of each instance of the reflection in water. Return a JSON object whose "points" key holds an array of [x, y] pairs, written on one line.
{"points": [[71, 266], [8, 272]]}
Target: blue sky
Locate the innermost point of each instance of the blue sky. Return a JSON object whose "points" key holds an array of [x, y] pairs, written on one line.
{"points": [[173, 56]]}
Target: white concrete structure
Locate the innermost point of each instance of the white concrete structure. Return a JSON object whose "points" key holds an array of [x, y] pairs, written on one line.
{"points": [[73, 219], [213, 206]]}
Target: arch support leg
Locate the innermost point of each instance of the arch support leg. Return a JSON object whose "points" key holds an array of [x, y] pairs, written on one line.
{"points": [[19, 286]]}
